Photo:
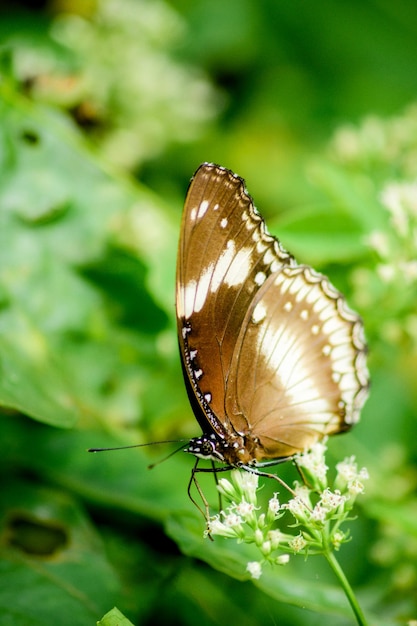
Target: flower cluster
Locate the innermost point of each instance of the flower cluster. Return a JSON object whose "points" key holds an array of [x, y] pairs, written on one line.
{"points": [[394, 278], [396, 246], [134, 113], [377, 161], [379, 142], [316, 511]]}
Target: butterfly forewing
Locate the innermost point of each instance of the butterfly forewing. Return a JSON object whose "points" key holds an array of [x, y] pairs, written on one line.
{"points": [[224, 255], [271, 353]]}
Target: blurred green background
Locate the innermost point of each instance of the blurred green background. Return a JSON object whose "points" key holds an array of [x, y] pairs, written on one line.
{"points": [[106, 109]]}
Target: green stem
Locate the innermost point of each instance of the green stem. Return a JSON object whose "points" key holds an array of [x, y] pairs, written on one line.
{"points": [[334, 564]]}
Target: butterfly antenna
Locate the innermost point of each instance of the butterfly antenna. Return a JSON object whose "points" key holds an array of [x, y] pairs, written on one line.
{"points": [[152, 465], [139, 445]]}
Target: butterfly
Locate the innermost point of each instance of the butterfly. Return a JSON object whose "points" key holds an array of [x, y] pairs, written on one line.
{"points": [[272, 356]]}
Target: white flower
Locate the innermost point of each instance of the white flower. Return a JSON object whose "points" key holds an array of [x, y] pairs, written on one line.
{"points": [[391, 198], [226, 488], [302, 492], [249, 480], [313, 463], [261, 520], [409, 269], [298, 509], [298, 543], [216, 527], [245, 509], [266, 548], [347, 469], [378, 241], [319, 513], [249, 485], [255, 569], [318, 450], [258, 537], [232, 520], [331, 500], [282, 559], [275, 537], [401, 201], [386, 272], [349, 478], [363, 474], [245, 485], [355, 487], [338, 539], [273, 505], [346, 143]]}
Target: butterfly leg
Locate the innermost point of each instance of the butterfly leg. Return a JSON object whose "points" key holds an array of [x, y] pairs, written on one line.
{"points": [[248, 468], [213, 467], [302, 475], [193, 480], [283, 483]]}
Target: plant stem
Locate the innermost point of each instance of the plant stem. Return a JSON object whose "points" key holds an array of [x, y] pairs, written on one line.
{"points": [[334, 564]]}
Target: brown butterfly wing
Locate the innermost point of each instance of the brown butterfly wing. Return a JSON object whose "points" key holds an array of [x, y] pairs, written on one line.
{"points": [[299, 368], [271, 353], [224, 253]]}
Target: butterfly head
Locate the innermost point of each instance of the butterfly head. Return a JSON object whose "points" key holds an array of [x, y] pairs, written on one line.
{"points": [[214, 448]]}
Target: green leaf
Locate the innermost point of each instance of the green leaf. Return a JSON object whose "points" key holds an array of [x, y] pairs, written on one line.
{"points": [[115, 480], [52, 555], [283, 584], [114, 618], [79, 312], [321, 235]]}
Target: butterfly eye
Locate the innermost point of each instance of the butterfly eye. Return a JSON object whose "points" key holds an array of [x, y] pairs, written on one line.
{"points": [[208, 448], [272, 356]]}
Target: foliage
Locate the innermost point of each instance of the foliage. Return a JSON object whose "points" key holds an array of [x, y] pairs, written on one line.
{"points": [[88, 353]]}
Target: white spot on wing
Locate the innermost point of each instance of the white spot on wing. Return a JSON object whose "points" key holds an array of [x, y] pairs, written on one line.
{"points": [[204, 205], [332, 325], [284, 354], [232, 268], [224, 222], [193, 295], [186, 299], [259, 313], [268, 257], [202, 288], [239, 268], [222, 265], [260, 278]]}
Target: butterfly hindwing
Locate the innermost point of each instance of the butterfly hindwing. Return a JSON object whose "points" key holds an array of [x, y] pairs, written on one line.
{"points": [[298, 371]]}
